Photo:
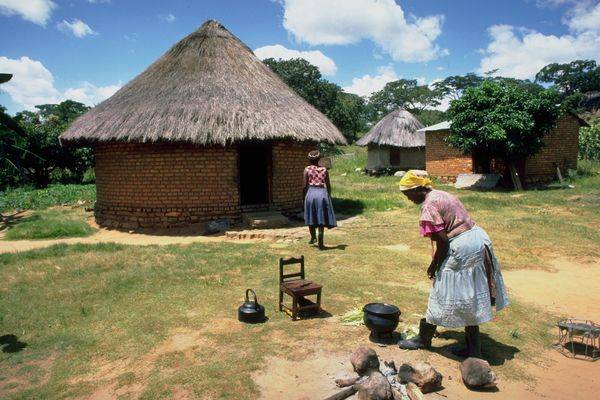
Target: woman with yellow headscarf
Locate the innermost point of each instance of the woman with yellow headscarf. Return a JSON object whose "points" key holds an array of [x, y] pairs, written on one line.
{"points": [[466, 276]]}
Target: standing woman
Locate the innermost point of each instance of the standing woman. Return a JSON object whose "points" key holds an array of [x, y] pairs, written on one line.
{"points": [[318, 210], [466, 274]]}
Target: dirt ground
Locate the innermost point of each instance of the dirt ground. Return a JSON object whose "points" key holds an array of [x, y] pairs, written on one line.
{"points": [[103, 235], [569, 288]]}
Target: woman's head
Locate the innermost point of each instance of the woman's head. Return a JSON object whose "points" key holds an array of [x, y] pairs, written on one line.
{"points": [[415, 187], [314, 157]]}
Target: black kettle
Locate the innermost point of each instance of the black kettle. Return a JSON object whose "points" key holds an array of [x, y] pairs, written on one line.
{"points": [[251, 312]]}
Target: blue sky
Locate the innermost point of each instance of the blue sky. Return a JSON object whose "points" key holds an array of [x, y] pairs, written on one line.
{"points": [[87, 49]]}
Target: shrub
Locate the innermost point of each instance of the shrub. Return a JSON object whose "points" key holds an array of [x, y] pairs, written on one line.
{"points": [[589, 142]]}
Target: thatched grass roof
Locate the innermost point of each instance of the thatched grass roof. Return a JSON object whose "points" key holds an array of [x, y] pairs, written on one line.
{"points": [[399, 129], [209, 89]]}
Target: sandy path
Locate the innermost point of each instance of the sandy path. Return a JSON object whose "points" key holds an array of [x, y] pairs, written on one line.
{"points": [[570, 288], [105, 236]]}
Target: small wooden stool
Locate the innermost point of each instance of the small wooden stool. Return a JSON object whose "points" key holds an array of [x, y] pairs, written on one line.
{"points": [[297, 287]]}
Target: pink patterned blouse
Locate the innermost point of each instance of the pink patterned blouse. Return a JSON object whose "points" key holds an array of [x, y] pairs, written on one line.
{"points": [[443, 211], [315, 176]]}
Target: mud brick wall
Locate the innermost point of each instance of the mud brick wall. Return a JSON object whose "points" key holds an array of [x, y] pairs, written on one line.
{"points": [[561, 147], [289, 161], [164, 185], [443, 161]]}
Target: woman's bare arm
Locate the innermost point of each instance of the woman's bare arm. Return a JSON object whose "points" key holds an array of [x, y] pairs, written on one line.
{"points": [[327, 182], [442, 246]]}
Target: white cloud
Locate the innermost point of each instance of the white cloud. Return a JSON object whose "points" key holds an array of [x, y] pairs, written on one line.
{"points": [[584, 19], [350, 21], [367, 84], [36, 11], [168, 17], [78, 28], [33, 84], [98, 1], [91, 94], [521, 53], [325, 64]]}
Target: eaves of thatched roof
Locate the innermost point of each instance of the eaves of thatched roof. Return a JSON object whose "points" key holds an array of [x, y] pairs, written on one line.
{"points": [[209, 89], [398, 129]]}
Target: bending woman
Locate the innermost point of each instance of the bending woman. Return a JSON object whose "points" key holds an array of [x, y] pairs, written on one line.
{"points": [[318, 210], [466, 274]]}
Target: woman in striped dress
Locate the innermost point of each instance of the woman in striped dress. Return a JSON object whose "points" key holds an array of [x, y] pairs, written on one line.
{"points": [[318, 210]]}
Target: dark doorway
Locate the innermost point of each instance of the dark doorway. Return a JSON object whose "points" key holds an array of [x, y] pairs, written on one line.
{"points": [[394, 157], [255, 173]]}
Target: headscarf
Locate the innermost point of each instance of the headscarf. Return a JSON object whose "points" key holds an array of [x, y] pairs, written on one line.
{"points": [[314, 155], [410, 180]]}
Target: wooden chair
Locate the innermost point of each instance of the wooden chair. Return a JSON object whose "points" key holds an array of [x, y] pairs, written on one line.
{"points": [[297, 287]]}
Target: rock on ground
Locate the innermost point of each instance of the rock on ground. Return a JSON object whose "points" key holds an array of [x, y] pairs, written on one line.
{"points": [[477, 373], [376, 387], [421, 374], [364, 360]]}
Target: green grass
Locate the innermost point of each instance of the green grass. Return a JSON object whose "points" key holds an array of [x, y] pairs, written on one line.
{"points": [[49, 224], [53, 195]]}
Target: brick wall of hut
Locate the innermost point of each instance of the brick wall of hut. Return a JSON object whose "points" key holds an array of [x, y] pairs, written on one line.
{"points": [[443, 161], [171, 185], [561, 148]]}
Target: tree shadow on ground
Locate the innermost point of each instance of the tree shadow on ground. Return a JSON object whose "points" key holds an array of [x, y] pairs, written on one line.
{"points": [[347, 207], [496, 353], [11, 344], [10, 220]]}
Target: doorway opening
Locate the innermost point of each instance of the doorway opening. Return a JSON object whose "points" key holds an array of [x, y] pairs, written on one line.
{"points": [[254, 167]]}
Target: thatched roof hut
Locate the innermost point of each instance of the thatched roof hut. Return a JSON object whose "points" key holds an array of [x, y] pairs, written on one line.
{"points": [[207, 131], [395, 142], [207, 89]]}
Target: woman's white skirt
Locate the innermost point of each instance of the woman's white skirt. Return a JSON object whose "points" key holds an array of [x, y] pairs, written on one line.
{"points": [[461, 294]]}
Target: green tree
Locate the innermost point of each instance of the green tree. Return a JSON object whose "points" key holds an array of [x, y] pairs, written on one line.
{"points": [[11, 136], [577, 81], [589, 142], [46, 160], [453, 86], [577, 76], [403, 93], [499, 119], [345, 110]]}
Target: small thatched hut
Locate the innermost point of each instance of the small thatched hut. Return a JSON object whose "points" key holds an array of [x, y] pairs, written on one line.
{"points": [[394, 142], [207, 131]]}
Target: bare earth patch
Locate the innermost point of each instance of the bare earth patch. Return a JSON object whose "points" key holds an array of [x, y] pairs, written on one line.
{"points": [[558, 378], [106, 374], [570, 288]]}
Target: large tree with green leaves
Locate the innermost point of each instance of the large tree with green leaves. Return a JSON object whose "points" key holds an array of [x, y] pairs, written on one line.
{"points": [[345, 110], [403, 93], [500, 119], [577, 81], [453, 86], [45, 159]]}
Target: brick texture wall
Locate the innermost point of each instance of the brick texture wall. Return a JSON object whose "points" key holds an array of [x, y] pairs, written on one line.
{"points": [[443, 161], [171, 185], [561, 148], [289, 161]]}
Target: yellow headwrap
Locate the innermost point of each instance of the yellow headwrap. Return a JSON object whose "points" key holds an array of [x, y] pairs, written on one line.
{"points": [[410, 181]]}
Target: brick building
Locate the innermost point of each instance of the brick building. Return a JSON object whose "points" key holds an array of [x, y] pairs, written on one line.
{"points": [[206, 132], [561, 148]]}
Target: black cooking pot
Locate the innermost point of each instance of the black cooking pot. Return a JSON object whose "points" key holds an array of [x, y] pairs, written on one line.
{"points": [[381, 318], [251, 312]]}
